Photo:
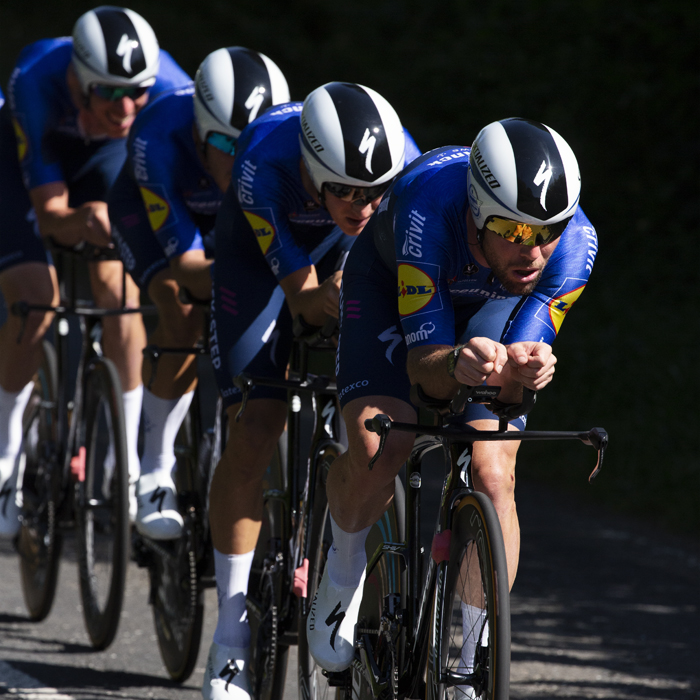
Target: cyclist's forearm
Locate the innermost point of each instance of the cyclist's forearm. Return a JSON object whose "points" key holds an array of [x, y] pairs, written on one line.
{"points": [[312, 305], [427, 366]]}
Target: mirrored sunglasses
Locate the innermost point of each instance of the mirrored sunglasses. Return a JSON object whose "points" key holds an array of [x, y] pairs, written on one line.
{"points": [[115, 92], [222, 142], [348, 193], [525, 234]]}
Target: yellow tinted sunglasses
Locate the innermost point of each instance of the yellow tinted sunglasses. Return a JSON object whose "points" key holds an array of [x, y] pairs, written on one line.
{"points": [[525, 234]]}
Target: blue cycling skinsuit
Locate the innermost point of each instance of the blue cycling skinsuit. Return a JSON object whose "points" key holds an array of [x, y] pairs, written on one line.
{"points": [[164, 202], [411, 280], [41, 141], [268, 227]]}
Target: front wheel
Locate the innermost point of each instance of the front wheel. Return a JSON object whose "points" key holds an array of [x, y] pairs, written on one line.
{"points": [[313, 685], [39, 541], [470, 630], [102, 503]]}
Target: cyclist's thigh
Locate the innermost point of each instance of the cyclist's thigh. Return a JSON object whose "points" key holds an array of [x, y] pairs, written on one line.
{"points": [[33, 282], [251, 328], [136, 243], [20, 241], [371, 358]]}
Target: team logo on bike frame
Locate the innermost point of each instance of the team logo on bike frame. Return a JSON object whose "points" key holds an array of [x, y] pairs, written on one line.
{"points": [[416, 289]]}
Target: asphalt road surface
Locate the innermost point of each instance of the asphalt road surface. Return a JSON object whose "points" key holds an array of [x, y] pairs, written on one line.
{"points": [[603, 607]]}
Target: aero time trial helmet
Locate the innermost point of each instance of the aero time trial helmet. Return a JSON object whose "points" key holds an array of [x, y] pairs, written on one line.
{"points": [[114, 46], [350, 135], [232, 87], [522, 171]]}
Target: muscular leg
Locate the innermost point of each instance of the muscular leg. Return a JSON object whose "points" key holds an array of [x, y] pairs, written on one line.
{"points": [[124, 337], [235, 510], [35, 283], [493, 471], [179, 325], [358, 497], [20, 357]]}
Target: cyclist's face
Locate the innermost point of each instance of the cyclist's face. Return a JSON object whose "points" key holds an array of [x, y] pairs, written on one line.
{"points": [[517, 267], [115, 117], [351, 217]]}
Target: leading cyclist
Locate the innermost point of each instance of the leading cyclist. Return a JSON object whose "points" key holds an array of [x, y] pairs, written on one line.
{"points": [[463, 276], [305, 182], [163, 206], [71, 102]]}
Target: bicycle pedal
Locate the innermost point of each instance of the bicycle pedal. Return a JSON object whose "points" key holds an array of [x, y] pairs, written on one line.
{"points": [[336, 679]]}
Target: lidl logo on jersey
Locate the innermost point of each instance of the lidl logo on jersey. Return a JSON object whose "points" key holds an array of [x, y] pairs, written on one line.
{"points": [[561, 303], [264, 229], [157, 207], [22, 143], [416, 289]]}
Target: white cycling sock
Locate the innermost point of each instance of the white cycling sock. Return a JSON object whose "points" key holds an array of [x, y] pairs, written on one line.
{"points": [[161, 421], [472, 619], [132, 417], [232, 572], [12, 405], [347, 558]]}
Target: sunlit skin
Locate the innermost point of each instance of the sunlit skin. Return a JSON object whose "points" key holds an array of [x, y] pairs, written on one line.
{"points": [[517, 267], [351, 217]]}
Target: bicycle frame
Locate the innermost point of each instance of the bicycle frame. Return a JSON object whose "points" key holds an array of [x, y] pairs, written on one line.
{"points": [[415, 615], [313, 421]]}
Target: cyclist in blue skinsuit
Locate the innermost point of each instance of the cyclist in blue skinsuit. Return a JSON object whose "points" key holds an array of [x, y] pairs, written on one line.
{"points": [[464, 275], [181, 150], [305, 182], [70, 103]]}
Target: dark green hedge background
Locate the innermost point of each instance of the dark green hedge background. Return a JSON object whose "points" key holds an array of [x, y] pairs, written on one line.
{"points": [[619, 80]]}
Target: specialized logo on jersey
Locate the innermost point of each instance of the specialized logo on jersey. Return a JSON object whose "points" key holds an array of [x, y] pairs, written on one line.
{"points": [[263, 229], [416, 289], [22, 143], [157, 208], [561, 303]]}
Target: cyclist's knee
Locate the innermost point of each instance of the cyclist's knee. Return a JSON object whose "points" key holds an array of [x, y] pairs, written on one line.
{"points": [[34, 284], [178, 322], [110, 289], [493, 470]]}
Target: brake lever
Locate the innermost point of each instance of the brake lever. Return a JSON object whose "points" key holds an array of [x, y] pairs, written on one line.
{"points": [[244, 383], [381, 425], [598, 438]]}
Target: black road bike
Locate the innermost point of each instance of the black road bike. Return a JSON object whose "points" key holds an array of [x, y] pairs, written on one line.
{"points": [[296, 534], [415, 638], [180, 570], [75, 472]]}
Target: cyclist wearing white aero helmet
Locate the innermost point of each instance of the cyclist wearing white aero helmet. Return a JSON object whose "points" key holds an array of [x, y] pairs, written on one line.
{"points": [[306, 180], [488, 250], [71, 102], [181, 150]]}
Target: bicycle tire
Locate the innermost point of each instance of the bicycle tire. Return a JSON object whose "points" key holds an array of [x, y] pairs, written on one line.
{"points": [[177, 593], [477, 570], [264, 602], [313, 685], [386, 578], [40, 541], [102, 503]]}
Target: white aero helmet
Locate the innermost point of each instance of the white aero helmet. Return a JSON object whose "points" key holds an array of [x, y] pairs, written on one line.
{"points": [[232, 87], [351, 135], [114, 46], [523, 171]]}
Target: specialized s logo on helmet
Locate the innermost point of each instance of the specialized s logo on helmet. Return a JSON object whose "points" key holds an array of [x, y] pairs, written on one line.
{"points": [[125, 49]]}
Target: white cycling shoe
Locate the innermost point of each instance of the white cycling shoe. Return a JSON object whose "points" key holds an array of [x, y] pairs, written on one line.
{"points": [[9, 509], [330, 626], [226, 674], [157, 515]]}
